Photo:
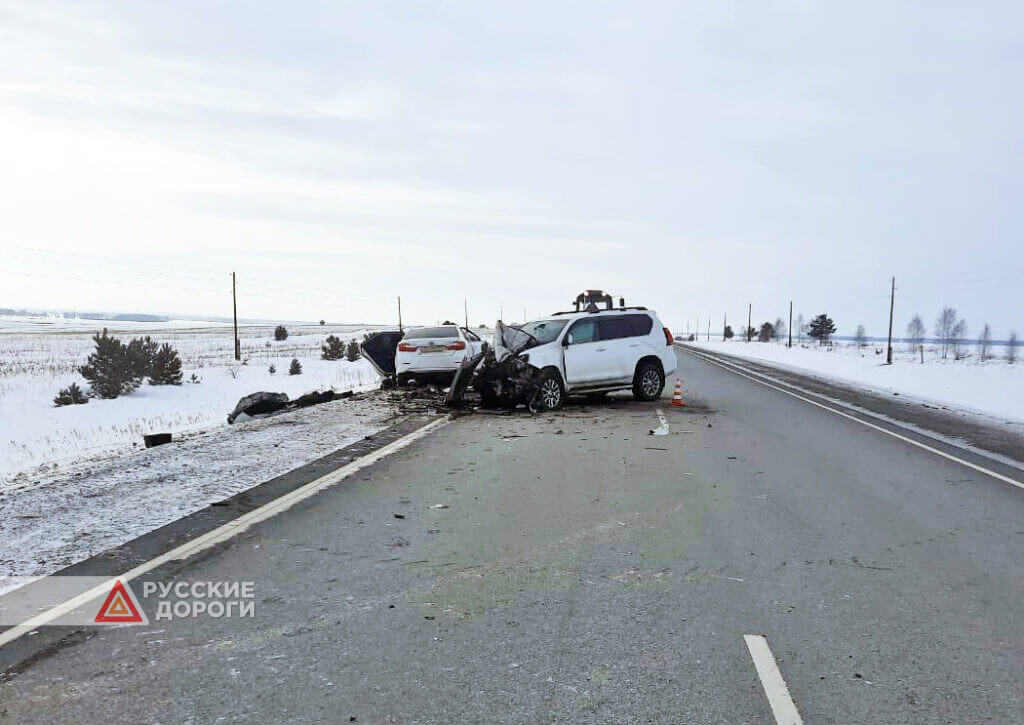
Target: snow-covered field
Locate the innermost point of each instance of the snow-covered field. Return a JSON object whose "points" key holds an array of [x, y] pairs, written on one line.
{"points": [[52, 520], [38, 356], [994, 387]]}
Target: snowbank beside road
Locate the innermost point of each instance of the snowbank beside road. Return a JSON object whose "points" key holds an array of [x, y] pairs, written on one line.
{"points": [[53, 521], [993, 388]]}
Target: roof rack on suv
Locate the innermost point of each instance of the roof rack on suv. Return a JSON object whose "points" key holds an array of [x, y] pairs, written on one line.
{"points": [[594, 312]]}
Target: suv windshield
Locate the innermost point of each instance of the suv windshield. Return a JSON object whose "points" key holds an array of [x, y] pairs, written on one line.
{"points": [[425, 332], [543, 330]]}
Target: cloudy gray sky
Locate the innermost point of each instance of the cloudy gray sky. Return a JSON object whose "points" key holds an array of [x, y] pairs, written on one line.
{"points": [[692, 156]]}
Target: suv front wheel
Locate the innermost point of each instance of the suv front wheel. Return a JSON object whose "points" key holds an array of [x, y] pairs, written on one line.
{"points": [[648, 382], [550, 393]]}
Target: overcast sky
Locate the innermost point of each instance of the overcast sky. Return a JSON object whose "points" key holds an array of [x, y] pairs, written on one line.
{"points": [[692, 157]]}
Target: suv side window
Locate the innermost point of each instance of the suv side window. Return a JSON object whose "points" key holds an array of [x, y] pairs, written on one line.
{"points": [[615, 328], [584, 331], [641, 325]]}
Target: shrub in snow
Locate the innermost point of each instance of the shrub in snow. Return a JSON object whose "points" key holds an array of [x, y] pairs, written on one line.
{"points": [[195, 379], [109, 369], [1011, 351], [295, 368], [333, 349], [280, 333], [767, 332], [272, 369], [142, 352], [352, 352], [71, 395], [727, 333], [166, 367]]}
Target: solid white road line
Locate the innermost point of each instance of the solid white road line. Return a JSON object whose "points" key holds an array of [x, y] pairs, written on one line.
{"points": [[775, 689], [221, 533], [735, 369]]}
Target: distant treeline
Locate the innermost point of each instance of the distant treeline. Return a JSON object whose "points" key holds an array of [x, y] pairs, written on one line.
{"points": [[118, 317]]}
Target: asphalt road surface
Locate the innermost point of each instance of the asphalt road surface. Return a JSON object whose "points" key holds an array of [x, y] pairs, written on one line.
{"points": [[585, 571]]}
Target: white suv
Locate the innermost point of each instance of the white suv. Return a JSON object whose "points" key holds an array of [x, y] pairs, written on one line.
{"points": [[592, 353]]}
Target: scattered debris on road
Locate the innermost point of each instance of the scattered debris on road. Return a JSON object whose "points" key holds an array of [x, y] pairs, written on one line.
{"points": [[156, 439]]}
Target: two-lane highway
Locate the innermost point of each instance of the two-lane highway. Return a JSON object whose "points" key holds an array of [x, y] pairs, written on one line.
{"points": [[572, 568]]}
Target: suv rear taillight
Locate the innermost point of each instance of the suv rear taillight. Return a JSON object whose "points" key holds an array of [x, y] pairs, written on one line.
{"points": [[406, 347], [460, 345], [668, 336]]}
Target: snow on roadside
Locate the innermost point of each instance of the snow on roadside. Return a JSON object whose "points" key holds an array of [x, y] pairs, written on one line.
{"points": [[56, 520], [993, 388], [36, 437]]}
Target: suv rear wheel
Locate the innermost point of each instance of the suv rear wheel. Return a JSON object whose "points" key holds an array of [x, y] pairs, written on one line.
{"points": [[550, 393], [648, 382]]}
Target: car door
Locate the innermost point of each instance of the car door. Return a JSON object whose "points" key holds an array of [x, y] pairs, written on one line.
{"points": [[585, 355], [621, 346]]}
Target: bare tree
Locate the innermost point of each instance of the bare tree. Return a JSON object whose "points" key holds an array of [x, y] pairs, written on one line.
{"points": [[915, 332], [780, 327], [801, 328], [944, 326], [1011, 351], [861, 337], [985, 342], [959, 333]]}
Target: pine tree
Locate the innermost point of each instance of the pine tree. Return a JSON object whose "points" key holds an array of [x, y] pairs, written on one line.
{"points": [[333, 349], [822, 328], [728, 333], [280, 333], [109, 369], [166, 368], [295, 368], [352, 352], [71, 395], [767, 332], [142, 353]]}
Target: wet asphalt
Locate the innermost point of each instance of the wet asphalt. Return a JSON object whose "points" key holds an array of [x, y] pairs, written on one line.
{"points": [[585, 571]]}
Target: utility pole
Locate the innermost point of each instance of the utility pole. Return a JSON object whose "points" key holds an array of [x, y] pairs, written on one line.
{"points": [[709, 328], [400, 314], [892, 304], [790, 343], [750, 308], [696, 329], [465, 309], [234, 306], [501, 311], [725, 324]]}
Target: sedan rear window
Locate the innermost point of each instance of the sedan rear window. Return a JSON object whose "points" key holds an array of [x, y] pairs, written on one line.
{"points": [[427, 332]]}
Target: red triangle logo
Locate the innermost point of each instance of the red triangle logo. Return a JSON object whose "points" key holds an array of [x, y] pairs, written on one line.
{"points": [[120, 607]]}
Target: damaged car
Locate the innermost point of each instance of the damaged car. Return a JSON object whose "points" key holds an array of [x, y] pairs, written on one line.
{"points": [[421, 354], [588, 352]]}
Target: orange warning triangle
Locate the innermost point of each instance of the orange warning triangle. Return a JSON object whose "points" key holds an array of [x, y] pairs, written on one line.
{"points": [[119, 607]]}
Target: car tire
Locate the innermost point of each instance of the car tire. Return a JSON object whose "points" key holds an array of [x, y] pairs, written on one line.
{"points": [[648, 382], [550, 392]]}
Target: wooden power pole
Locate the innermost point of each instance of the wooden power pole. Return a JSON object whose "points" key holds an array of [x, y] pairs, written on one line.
{"points": [[465, 309], [750, 308], [790, 343], [892, 304], [400, 314], [234, 308]]}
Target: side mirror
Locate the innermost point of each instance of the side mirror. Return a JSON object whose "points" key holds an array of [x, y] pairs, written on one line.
{"points": [[567, 340]]}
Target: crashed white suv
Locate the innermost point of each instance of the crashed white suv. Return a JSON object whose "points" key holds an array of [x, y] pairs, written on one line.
{"points": [[584, 353]]}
